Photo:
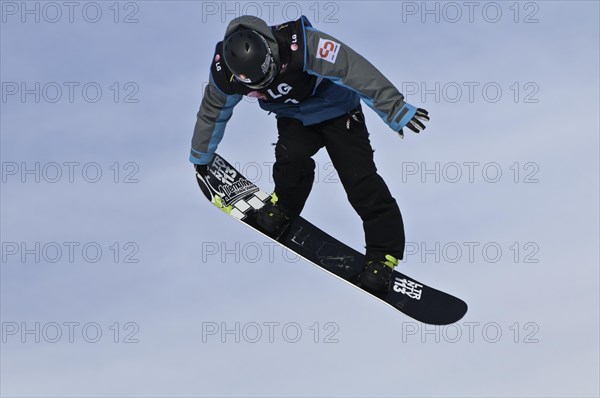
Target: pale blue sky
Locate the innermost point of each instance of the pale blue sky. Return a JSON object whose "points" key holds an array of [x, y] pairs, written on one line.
{"points": [[181, 286]]}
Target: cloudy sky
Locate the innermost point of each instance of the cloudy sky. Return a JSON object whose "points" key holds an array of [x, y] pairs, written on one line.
{"points": [[119, 279]]}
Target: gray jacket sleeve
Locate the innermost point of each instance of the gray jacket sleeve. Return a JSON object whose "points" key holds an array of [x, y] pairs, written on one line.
{"points": [[327, 57], [215, 111]]}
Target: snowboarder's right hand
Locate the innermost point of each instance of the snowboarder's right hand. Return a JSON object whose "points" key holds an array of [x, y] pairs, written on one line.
{"points": [[416, 123], [201, 169]]}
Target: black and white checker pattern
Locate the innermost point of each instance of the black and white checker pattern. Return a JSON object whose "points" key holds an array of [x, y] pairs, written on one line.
{"points": [[256, 201]]}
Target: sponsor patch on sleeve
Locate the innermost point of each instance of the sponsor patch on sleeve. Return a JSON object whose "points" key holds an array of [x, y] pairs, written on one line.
{"points": [[328, 50]]}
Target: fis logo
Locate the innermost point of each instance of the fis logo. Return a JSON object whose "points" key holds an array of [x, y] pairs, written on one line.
{"points": [[328, 50]]}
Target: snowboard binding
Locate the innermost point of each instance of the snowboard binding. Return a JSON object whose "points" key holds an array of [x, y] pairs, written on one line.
{"points": [[272, 218], [376, 276]]}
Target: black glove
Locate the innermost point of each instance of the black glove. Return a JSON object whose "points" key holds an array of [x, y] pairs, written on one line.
{"points": [[415, 123], [201, 169]]}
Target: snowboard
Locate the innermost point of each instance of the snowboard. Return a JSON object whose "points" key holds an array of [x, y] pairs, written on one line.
{"points": [[240, 198]]}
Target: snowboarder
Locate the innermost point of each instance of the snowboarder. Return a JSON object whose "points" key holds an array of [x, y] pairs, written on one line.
{"points": [[313, 83]]}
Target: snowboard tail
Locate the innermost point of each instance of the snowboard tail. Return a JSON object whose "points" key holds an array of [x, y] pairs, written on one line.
{"points": [[234, 194]]}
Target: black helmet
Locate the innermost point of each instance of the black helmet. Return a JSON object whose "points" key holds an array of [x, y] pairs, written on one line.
{"points": [[248, 55]]}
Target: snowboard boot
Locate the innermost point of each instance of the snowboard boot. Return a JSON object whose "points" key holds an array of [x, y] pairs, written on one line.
{"points": [[376, 276], [272, 218]]}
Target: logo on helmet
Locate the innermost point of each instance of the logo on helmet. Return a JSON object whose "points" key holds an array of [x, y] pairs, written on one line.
{"points": [[265, 65]]}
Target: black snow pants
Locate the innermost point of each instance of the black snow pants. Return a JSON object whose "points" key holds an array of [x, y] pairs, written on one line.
{"points": [[346, 140]]}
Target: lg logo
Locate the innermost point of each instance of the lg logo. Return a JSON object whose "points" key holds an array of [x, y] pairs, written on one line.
{"points": [[283, 89]]}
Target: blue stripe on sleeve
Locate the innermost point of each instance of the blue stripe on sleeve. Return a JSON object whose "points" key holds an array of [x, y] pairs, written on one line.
{"points": [[217, 134], [393, 123]]}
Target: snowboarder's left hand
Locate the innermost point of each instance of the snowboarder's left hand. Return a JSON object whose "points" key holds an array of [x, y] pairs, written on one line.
{"points": [[416, 123], [201, 169]]}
